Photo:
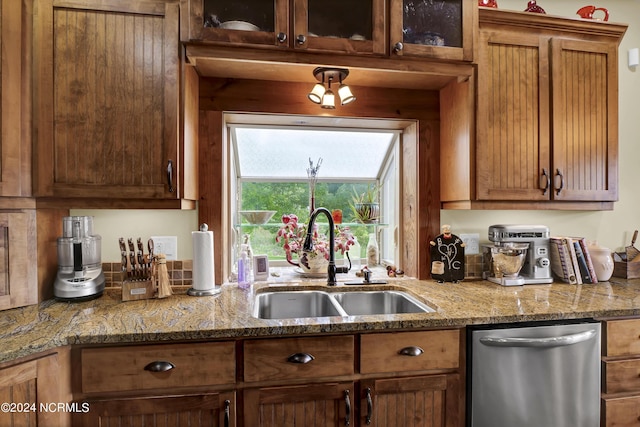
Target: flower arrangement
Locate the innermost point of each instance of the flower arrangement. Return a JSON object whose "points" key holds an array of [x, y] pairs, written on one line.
{"points": [[292, 234]]}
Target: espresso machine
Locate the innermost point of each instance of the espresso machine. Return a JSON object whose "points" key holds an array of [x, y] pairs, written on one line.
{"points": [[519, 255], [80, 275]]}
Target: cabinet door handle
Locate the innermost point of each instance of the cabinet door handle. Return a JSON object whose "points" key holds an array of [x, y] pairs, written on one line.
{"points": [[547, 179], [559, 189], [369, 406], [282, 37], [159, 366], [347, 402], [227, 412], [411, 351], [398, 47], [300, 358], [301, 39], [170, 175]]}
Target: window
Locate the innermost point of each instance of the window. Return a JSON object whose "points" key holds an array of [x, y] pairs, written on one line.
{"points": [[269, 172]]}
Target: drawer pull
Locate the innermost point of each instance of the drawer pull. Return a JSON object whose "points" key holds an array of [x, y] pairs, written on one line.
{"points": [[300, 358], [159, 366], [347, 402], [227, 412], [412, 350], [369, 406]]}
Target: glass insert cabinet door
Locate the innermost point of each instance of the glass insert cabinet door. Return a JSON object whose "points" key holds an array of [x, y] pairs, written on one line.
{"points": [[264, 22], [437, 28], [353, 26]]}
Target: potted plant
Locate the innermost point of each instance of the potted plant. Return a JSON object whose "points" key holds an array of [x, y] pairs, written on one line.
{"points": [[292, 234], [365, 205]]}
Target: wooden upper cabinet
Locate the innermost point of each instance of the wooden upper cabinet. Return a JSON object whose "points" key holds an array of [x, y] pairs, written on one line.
{"points": [[253, 22], [340, 26], [15, 109], [437, 29], [351, 26], [107, 85], [546, 108]]}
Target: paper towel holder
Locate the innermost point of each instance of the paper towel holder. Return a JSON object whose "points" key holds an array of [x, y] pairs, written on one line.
{"points": [[215, 290]]}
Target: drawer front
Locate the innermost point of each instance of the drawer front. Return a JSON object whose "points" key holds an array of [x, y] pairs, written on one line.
{"points": [[123, 368], [622, 337], [295, 358], [622, 376], [622, 412], [410, 351]]}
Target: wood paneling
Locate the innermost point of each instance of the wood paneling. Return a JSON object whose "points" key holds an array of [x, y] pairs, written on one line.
{"points": [[124, 368], [15, 108], [19, 283], [107, 87], [203, 410], [299, 406], [420, 175], [268, 359], [585, 119]]}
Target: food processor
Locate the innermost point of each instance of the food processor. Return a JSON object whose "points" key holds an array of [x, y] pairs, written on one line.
{"points": [[80, 275]]}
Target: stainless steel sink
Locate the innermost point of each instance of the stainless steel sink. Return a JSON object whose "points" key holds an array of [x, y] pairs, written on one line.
{"points": [[295, 304], [301, 304], [380, 302]]}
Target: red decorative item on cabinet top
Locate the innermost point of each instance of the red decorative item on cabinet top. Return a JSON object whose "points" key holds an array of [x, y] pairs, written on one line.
{"points": [[488, 3], [587, 12], [533, 7]]}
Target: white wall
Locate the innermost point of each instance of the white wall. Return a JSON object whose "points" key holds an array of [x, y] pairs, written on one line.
{"points": [[611, 228]]}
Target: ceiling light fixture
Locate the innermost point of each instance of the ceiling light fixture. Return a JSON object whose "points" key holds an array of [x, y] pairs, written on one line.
{"points": [[325, 97]]}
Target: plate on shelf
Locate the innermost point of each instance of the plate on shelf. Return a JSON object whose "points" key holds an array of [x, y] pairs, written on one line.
{"points": [[239, 25], [303, 273]]}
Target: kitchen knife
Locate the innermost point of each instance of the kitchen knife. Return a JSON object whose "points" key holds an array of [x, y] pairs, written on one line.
{"points": [[141, 264], [132, 258]]}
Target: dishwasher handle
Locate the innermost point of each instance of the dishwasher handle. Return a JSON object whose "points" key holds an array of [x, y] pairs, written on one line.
{"points": [[539, 342]]}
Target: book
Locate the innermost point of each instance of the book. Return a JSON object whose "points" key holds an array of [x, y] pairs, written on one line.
{"points": [[587, 258], [582, 263], [561, 264]]}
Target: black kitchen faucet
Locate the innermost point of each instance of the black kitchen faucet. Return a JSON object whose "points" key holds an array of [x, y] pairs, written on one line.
{"points": [[308, 245]]}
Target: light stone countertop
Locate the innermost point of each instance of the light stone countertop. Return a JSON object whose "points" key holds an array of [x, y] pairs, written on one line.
{"points": [[107, 320]]}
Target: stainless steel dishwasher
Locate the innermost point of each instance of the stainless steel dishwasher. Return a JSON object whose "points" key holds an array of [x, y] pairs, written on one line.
{"points": [[534, 374]]}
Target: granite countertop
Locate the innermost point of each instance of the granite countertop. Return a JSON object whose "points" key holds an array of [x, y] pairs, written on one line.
{"points": [[107, 320]]}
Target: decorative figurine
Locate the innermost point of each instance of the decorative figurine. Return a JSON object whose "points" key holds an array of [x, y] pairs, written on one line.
{"points": [[533, 7], [587, 12], [488, 3], [447, 257]]}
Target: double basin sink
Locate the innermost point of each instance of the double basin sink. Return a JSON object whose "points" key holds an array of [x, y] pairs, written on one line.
{"points": [[304, 304]]}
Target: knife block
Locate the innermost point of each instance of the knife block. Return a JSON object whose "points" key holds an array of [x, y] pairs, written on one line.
{"points": [[141, 288], [138, 289]]}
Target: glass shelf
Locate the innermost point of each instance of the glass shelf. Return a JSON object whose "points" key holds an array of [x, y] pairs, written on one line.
{"points": [[344, 224]]}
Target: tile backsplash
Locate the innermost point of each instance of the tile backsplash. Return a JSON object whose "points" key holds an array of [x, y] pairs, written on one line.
{"points": [[180, 273]]}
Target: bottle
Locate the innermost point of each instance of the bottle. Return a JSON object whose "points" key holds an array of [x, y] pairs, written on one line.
{"points": [[354, 254], [246, 240], [372, 250], [244, 273]]}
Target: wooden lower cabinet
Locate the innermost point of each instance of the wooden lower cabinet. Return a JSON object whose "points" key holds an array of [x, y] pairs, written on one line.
{"points": [[207, 409], [620, 406], [28, 390], [326, 405], [423, 401]]}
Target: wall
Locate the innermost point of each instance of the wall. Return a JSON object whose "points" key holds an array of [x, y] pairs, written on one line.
{"points": [[611, 228]]}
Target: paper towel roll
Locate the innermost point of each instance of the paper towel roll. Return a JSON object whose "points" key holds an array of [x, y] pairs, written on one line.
{"points": [[203, 264]]}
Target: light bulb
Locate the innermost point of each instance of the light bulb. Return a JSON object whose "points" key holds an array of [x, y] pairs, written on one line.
{"points": [[329, 100], [316, 93], [346, 97]]}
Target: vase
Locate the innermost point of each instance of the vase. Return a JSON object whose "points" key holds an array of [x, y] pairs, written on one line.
{"points": [[602, 259], [311, 262], [372, 250], [367, 213]]}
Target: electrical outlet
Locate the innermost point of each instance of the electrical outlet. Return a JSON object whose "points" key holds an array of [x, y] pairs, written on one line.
{"points": [[472, 243], [167, 245]]}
